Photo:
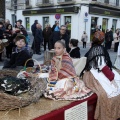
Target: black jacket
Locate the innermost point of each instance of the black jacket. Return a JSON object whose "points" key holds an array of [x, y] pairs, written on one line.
{"points": [[33, 29], [38, 35], [19, 59], [1, 33], [57, 36], [53, 27], [46, 34], [75, 53]]}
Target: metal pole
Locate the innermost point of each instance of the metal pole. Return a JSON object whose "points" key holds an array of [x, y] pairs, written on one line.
{"points": [[85, 26]]}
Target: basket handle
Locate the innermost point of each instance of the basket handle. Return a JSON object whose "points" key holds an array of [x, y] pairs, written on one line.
{"points": [[35, 61]]}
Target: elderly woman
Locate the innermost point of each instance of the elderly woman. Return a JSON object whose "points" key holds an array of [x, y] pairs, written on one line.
{"points": [[103, 80]]}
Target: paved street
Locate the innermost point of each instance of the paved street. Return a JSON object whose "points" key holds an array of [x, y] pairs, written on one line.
{"points": [[40, 58]]}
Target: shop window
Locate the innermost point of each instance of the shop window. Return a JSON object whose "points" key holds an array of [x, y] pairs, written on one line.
{"points": [[68, 23], [104, 24], [27, 23], [93, 26], [68, 19], [114, 24], [45, 21]]}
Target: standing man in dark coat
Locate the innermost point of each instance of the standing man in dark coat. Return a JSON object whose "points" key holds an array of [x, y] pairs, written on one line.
{"points": [[46, 35], [33, 29], [107, 39], [60, 35], [111, 38], [54, 25], [38, 39]]}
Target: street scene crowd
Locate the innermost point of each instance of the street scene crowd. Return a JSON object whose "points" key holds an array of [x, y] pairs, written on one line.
{"points": [[99, 75]]}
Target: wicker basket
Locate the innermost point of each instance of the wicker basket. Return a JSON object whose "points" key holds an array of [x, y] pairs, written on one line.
{"points": [[9, 102], [31, 69]]}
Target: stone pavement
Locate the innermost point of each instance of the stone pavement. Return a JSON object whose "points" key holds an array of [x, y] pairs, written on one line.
{"points": [[40, 58]]}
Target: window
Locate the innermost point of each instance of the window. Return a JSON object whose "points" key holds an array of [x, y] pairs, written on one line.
{"points": [[114, 24], [45, 21], [68, 19], [27, 23], [13, 20], [68, 24], [117, 2], [27, 2], [104, 24], [45, 1], [94, 21], [106, 1]]}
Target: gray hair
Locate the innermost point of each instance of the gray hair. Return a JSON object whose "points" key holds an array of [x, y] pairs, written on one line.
{"points": [[62, 26]]}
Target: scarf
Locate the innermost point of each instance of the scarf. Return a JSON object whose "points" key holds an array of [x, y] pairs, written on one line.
{"points": [[61, 67], [17, 50]]}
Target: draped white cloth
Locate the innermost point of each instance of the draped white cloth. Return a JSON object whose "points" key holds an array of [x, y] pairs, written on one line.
{"points": [[112, 88]]}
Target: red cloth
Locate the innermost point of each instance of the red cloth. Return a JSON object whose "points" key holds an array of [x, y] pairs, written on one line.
{"points": [[59, 113], [108, 73]]}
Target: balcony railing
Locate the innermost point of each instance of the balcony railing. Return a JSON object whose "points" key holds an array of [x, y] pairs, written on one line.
{"points": [[66, 2], [9, 5], [43, 3], [21, 2], [105, 2], [18, 5]]}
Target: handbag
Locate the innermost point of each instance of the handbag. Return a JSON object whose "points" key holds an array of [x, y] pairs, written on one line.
{"points": [[82, 39]]}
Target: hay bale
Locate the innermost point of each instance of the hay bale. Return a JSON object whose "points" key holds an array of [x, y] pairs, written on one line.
{"points": [[38, 86]]}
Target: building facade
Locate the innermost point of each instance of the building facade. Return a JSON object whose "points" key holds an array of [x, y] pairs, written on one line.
{"points": [[2, 9], [83, 15]]}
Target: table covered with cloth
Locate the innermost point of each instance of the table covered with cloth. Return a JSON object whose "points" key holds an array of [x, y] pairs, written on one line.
{"points": [[47, 109]]}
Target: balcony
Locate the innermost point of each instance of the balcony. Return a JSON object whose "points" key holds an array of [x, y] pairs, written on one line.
{"points": [[44, 3], [15, 5], [64, 2], [28, 4], [112, 3], [9, 5]]}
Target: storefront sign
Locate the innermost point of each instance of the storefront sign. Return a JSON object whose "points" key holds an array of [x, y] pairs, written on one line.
{"points": [[65, 10], [103, 11]]}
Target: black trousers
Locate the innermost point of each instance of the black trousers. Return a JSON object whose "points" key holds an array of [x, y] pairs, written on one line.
{"points": [[84, 44], [37, 46], [46, 43], [107, 45], [9, 50], [116, 46], [110, 44]]}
